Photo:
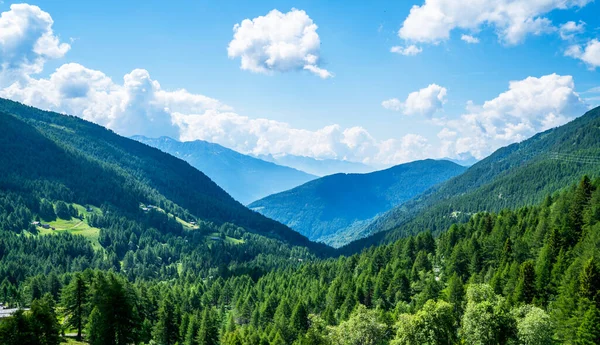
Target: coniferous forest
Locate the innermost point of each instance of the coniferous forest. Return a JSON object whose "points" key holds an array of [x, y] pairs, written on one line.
{"points": [[527, 276], [101, 243]]}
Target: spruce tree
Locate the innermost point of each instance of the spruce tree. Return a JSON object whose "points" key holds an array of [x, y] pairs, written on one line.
{"points": [[588, 332], [73, 301]]}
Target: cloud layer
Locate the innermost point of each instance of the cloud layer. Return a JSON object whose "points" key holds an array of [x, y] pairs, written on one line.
{"points": [[138, 104], [278, 42], [512, 20], [529, 106]]}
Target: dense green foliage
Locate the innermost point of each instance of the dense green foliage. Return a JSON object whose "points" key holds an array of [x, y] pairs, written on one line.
{"points": [[334, 209], [513, 176], [244, 177], [528, 276]]}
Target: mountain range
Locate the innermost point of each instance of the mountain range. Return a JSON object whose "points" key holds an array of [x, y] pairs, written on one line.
{"points": [[58, 157], [334, 209], [516, 175], [244, 177]]}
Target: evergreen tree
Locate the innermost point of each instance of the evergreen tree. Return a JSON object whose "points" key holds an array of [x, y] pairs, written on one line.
{"points": [[44, 324], [525, 290], [192, 331], [588, 332], [299, 320], [166, 331], [74, 299], [589, 281], [208, 334], [62, 210]]}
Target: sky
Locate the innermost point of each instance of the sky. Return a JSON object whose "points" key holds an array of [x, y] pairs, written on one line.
{"points": [[377, 82]]}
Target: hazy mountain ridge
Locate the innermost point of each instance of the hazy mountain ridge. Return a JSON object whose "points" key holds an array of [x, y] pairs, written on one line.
{"points": [[335, 208], [244, 177], [319, 167]]}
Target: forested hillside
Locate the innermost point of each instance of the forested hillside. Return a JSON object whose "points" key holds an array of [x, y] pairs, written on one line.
{"points": [[528, 276], [513, 176], [45, 155], [334, 209], [244, 177]]}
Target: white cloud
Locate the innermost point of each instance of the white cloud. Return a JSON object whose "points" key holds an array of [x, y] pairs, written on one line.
{"points": [[590, 54], [410, 50], [469, 39], [278, 42], [425, 102], [26, 42], [569, 29], [137, 106], [529, 106], [513, 20]]}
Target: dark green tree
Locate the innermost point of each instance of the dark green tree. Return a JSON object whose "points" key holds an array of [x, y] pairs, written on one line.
{"points": [[73, 301]]}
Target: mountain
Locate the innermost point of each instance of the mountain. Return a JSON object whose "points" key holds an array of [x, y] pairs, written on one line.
{"points": [[49, 156], [245, 178], [333, 208], [517, 175], [318, 167]]}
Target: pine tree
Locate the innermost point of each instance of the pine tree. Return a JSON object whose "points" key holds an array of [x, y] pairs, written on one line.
{"points": [[589, 281], [192, 331], [299, 320], [74, 298], [588, 332], [525, 290], [455, 293], [44, 324], [166, 331], [208, 334], [62, 210]]}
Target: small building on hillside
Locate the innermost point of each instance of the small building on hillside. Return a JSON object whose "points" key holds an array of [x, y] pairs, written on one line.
{"points": [[45, 226]]}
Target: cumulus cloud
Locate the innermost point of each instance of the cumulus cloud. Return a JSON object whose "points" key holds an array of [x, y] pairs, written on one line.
{"points": [[529, 106], [26, 42], [569, 29], [469, 39], [425, 102], [410, 50], [278, 42], [138, 105], [513, 20], [590, 53]]}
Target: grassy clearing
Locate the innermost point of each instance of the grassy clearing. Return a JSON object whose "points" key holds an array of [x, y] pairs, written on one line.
{"points": [[75, 226], [227, 239]]}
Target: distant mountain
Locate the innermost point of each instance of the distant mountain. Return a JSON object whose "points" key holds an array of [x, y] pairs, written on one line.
{"points": [[334, 208], [318, 167], [245, 178], [49, 156], [465, 159], [517, 175]]}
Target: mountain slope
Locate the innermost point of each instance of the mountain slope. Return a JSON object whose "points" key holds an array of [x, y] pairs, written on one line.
{"points": [[61, 157], [517, 175], [333, 207], [245, 178]]}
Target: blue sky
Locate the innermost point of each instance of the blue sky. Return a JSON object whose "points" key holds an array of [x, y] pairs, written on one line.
{"points": [[183, 44]]}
